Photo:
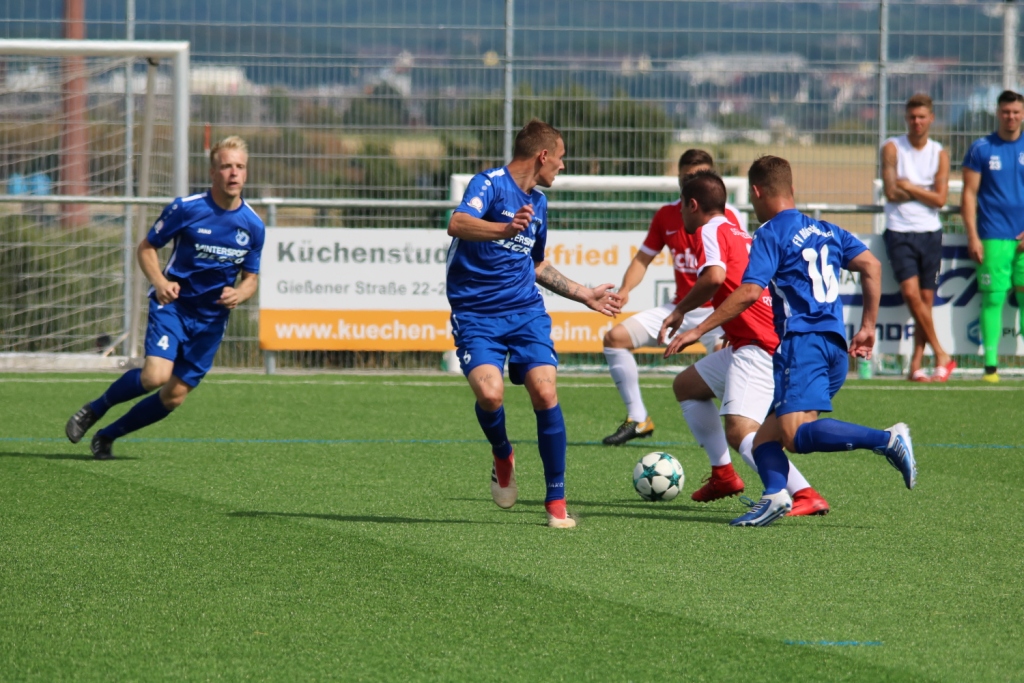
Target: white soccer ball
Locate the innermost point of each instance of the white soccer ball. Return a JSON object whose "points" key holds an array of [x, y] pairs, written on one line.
{"points": [[658, 476]]}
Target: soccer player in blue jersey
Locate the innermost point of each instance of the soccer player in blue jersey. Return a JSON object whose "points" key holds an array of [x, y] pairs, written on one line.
{"points": [[216, 236], [495, 261], [800, 257], [993, 212]]}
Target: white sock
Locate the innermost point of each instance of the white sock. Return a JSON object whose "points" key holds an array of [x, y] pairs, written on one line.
{"points": [[795, 482], [702, 417], [622, 366]]}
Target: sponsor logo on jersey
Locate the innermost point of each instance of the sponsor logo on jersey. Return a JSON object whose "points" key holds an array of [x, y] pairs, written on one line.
{"points": [[995, 163], [205, 231], [685, 262], [1020, 158], [215, 252], [242, 237], [507, 213], [476, 203]]}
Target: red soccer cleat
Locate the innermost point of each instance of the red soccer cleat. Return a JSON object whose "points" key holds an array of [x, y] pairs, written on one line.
{"points": [[504, 490], [722, 483], [557, 516], [808, 502]]}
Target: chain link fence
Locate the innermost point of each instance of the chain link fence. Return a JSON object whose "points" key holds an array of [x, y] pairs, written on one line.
{"points": [[386, 100]]}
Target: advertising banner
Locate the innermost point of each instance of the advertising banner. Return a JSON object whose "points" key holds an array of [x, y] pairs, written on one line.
{"points": [[384, 290]]}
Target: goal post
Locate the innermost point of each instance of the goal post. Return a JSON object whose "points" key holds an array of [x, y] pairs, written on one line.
{"points": [[67, 128], [176, 51]]}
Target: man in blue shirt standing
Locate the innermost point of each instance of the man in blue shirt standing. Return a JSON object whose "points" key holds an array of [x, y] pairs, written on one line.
{"points": [[800, 259], [216, 236], [494, 263], [992, 208]]}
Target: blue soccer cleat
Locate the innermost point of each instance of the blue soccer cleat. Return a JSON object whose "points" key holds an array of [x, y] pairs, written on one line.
{"points": [[900, 453], [765, 511]]}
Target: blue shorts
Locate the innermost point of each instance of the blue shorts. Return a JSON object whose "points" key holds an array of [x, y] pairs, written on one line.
{"points": [[188, 337], [525, 338], [809, 370]]}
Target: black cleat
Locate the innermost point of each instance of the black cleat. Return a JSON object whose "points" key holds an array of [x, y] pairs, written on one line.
{"points": [[79, 423], [102, 448], [630, 429]]}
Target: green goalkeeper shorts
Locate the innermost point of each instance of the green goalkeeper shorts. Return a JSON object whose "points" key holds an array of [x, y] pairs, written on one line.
{"points": [[1002, 267]]}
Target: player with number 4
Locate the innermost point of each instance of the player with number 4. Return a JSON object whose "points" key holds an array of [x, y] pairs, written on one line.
{"points": [[800, 258], [216, 236]]}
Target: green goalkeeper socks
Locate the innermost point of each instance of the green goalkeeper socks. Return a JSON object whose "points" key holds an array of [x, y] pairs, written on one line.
{"points": [[991, 321]]}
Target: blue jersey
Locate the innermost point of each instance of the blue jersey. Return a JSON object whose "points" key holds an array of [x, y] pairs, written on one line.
{"points": [[498, 277], [801, 258], [1001, 194], [210, 246]]}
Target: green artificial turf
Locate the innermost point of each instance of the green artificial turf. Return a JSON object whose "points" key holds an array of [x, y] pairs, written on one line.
{"points": [[341, 527]]}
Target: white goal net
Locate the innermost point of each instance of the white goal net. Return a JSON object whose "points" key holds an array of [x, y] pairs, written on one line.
{"points": [[66, 266]]}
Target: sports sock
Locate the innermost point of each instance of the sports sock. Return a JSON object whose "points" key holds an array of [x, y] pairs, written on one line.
{"points": [[1020, 309], [622, 366], [702, 418], [991, 323], [794, 482], [144, 413], [828, 435], [551, 442], [125, 388], [493, 424], [772, 466]]}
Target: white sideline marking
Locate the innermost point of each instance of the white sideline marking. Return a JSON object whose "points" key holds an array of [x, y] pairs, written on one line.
{"points": [[567, 384]]}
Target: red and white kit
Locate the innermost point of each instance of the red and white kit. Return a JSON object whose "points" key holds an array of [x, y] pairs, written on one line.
{"points": [[740, 375], [667, 231]]}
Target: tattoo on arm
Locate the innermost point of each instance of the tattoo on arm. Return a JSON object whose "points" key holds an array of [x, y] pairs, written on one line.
{"points": [[558, 283]]}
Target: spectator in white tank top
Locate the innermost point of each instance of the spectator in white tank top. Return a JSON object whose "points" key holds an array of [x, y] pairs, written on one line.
{"points": [[915, 174]]}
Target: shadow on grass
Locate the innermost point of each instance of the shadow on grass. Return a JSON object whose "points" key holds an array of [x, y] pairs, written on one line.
{"points": [[577, 509], [57, 456], [376, 519]]}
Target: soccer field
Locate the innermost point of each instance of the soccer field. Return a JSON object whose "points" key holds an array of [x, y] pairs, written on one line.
{"points": [[341, 527]]}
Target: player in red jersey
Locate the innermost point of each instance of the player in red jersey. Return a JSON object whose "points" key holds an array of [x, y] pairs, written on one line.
{"points": [[642, 329], [740, 375]]}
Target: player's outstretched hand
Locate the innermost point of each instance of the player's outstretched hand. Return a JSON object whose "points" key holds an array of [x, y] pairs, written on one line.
{"points": [[604, 299], [229, 297], [863, 342], [520, 221], [681, 341], [670, 326], [166, 291]]}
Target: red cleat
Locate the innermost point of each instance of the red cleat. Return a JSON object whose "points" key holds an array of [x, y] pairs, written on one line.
{"points": [[808, 502], [722, 483], [557, 516]]}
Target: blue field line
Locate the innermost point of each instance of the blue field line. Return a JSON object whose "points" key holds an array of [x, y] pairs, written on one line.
{"points": [[835, 643], [342, 442]]}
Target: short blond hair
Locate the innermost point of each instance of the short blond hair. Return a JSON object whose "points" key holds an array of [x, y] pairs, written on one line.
{"points": [[230, 142]]}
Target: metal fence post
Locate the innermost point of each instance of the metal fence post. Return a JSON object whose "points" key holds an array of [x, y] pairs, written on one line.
{"points": [[883, 78], [270, 357], [510, 36], [1011, 20]]}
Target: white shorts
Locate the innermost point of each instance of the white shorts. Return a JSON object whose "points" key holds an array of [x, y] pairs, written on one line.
{"points": [[742, 379], [643, 328]]}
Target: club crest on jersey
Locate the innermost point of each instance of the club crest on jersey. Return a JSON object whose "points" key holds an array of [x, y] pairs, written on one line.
{"points": [[242, 237], [476, 203]]}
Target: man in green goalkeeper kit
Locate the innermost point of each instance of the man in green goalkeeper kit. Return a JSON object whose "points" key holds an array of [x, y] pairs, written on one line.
{"points": [[993, 211]]}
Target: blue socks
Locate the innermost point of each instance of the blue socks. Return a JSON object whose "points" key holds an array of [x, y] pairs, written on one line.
{"points": [[828, 435], [772, 466], [125, 388], [144, 413], [551, 442], [493, 425]]}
